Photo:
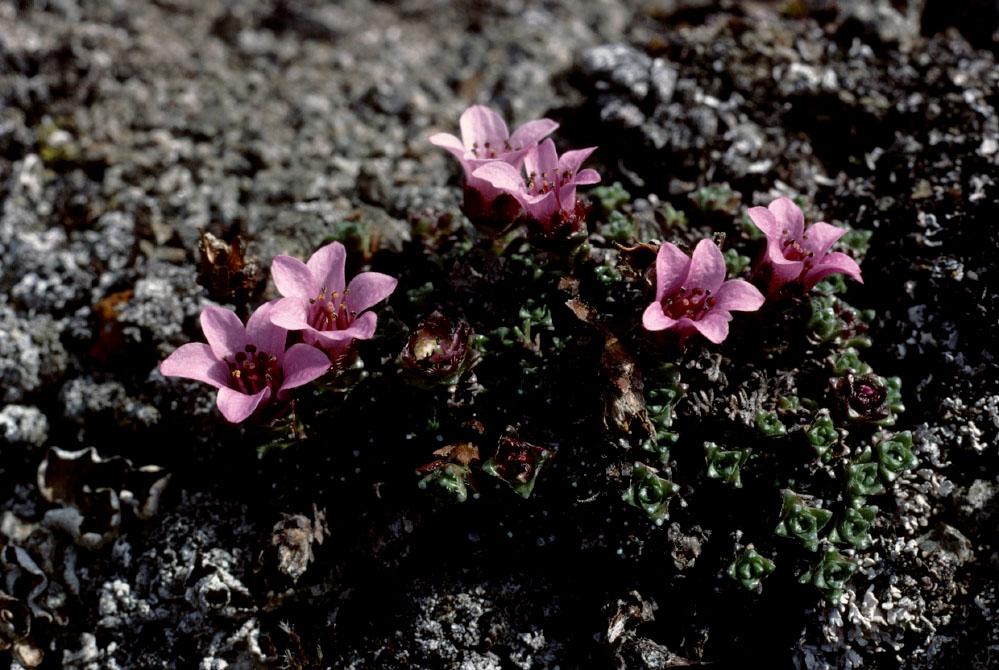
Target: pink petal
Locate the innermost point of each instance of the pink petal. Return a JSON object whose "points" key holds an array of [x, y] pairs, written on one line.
{"points": [[764, 219], [362, 329], [449, 142], [834, 263], [290, 314], [788, 215], [567, 194], [236, 406], [542, 208], [502, 176], [784, 271], [327, 267], [531, 133], [302, 364], [514, 158], [542, 160], [571, 160], [486, 191], [262, 332], [707, 267], [672, 266], [820, 236], [479, 125], [655, 319], [587, 176], [367, 289], [737, 295], [714, 326], [196, 361], [567, 197], [223, 330], [293, 278]]}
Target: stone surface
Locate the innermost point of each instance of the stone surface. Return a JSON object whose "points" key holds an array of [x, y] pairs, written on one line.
{"points": [[128, 128]]}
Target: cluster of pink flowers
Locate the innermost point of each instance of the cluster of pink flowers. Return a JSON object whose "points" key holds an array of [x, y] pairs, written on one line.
{"points": [[253, 367], [692, 295], [501, 169], [798, 258]]}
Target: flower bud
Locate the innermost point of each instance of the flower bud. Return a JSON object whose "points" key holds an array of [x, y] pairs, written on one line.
{"points": [[518, 463], [437, 351]]}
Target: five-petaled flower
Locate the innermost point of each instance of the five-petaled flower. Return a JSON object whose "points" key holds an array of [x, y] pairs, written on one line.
{"points": [[693, 296], [485, 139], [548, 194], [248, 365], [318, 302], [795, 256]]}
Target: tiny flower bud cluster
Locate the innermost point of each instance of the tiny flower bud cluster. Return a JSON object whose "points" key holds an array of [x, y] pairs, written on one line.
{"points": [[692, 296]]}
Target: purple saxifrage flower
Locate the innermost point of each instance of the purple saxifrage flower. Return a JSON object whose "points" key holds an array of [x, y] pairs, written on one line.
{"points": [[248, 365], [318, 302], [484, 139], [693, 296], [795, 255], [548, 194]]}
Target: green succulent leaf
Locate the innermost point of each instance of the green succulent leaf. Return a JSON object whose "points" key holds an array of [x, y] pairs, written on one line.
{"points": [[849, 361], [619, 228], [674, 217], [449, 480], [717, 198], [770, 424], [862, 476], [735, 263], [852, 526], [660, 444], [830, 574], [895, 455], [611, 196], [650, 493], [857, 241], [800, 522], [822, 435], [750, 569], [725, 465]]}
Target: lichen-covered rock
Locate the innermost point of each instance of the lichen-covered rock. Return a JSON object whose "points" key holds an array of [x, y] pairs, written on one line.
{"points": [[31, 354], [21, 424]]}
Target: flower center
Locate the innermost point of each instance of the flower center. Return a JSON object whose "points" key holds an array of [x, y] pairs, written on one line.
{"points": [[253, 370], [692, 304], [488, 149], [794, 249], [548, 182], [330, 313]]}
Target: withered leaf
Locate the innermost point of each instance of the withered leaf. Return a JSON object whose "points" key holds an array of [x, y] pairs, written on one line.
{"points": [[624, 400], [462, 453], [292, 538], [226, 272]]}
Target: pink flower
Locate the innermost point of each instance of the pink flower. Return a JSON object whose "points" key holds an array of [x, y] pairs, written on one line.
{"points": [[692, 294], [484, 139], [795, 255], [316, 302], [549, 193], [249, 366]]}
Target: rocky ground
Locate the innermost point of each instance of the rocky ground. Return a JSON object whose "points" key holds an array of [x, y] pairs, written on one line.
{"points": [[128, 130]]}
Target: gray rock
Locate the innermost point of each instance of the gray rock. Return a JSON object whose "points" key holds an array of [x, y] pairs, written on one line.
{"points": [[20, 424], [30, 353]]}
